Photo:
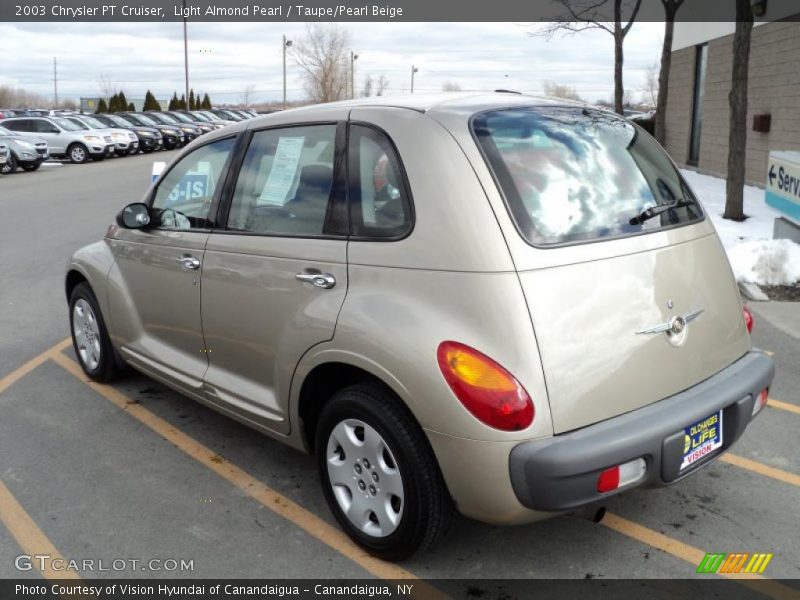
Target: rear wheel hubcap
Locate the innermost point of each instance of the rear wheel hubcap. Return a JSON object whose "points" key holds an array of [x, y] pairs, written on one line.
{"points": [[87, 334], [365, 478]]}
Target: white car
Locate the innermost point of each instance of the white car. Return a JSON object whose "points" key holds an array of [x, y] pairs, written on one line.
{"points": [[125, 141], [65, 138]]}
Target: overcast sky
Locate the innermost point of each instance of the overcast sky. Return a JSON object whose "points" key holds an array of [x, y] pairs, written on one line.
{"points": [[226, 57]]}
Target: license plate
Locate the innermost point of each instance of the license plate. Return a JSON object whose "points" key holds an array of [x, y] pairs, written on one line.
{"points": [[701, 439]]}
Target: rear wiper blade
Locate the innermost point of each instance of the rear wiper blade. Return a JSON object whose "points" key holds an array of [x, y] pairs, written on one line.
{"points": [[653, 211]]}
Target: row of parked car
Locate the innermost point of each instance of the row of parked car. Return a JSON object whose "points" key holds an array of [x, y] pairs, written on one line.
{"points": [[30, 137]]}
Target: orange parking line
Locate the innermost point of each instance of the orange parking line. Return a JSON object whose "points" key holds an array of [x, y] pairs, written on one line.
{"points": [[693, 555], [761, 469], [250, 485], [30, 538], [783, 406], [20, 372]]}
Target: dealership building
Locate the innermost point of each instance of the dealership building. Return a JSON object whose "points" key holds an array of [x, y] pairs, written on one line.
{"points": [[697, 119]]}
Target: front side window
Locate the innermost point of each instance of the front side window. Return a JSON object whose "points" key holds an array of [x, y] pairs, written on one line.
{"points": [[573, 175], [285, 184], [184, 197], [379, 202]]}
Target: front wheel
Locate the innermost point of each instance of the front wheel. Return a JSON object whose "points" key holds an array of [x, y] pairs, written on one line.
{"points": [[78, 153], [90, 336], [379, 475], [10, 166], [31, 166]]}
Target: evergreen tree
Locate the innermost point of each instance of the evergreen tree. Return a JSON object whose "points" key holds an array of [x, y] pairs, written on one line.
{"points": [[131, 107], [150, 102], [113, 103], [102, 107], [206, 104], [122, 101], [191, 100], [174, 102], [182, 103]]}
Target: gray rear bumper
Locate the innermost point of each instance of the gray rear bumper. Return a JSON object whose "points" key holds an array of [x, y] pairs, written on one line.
{"points": [[560, 473]]}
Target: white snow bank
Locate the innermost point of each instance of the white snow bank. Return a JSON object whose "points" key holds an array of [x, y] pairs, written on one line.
{"points": [[766, 262], [754, 256]]}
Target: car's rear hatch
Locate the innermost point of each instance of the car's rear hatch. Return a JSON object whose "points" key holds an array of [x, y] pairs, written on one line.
{"points": [[602, 279]]}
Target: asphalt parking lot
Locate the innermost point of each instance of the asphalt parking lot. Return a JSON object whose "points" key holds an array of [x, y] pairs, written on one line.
{"points": [[136, 471]]}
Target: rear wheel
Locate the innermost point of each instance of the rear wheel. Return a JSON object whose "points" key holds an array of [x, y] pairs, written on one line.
{"points": [[90, 336], [77, 153], [379, 474]]}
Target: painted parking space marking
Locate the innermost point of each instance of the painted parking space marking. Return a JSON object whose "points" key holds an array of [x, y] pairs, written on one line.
{"points": [[761, 468], [694, 556], [30, 538], [250, 485], [794, 408], [20, 372]]}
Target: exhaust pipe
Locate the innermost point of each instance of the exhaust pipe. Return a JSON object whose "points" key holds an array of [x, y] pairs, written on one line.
{"points": [[591, 512]]}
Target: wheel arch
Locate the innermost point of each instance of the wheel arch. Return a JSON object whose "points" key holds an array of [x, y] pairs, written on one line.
{"points": [[320, 377]]}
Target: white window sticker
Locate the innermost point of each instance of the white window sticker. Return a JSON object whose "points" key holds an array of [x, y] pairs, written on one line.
{"points": [[284, 170]]}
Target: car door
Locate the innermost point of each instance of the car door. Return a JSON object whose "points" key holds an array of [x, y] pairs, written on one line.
{"points": [[154, 285], [275, 274], [52, 134]]}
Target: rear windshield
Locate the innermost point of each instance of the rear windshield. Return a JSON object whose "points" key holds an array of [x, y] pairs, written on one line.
{"points": [[574, 175]]}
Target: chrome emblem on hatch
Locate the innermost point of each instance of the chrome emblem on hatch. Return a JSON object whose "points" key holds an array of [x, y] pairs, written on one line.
{"points": [[675, 325]]}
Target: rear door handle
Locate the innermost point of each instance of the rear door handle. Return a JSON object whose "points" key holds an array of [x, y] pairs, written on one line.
{"points": [[189, 262], [320, 280]]}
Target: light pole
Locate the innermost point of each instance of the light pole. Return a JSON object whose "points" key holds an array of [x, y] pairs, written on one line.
{"points": [[353, 59], [286, 44], [185, 51], [413, 70]]}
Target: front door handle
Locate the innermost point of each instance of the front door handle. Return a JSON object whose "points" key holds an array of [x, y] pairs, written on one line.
{"points": [[189, 262], [321, 280]]}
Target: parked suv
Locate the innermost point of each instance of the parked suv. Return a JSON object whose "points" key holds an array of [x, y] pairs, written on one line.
{"points": [[125, 141], [191, 132], [25, 151], [150, 138], [507, 305], [64, 138], [172, 136]]}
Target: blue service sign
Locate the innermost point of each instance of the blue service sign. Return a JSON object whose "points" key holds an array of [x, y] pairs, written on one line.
{"points": [[783, 184]]}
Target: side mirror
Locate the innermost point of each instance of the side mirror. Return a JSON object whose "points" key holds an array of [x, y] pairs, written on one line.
{"points": [[55, 130], [134, 216]]}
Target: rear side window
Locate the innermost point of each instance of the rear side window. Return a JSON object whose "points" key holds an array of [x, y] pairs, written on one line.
{"points": [[573, 175], [379, 202], [19, 125], [285, 184]]}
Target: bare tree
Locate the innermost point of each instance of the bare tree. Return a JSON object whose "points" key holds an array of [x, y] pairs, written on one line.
{"points": [[323, 56], [670, 10], [368, 84], [21, 98], [382, 85], [247, 93], [580, 15], [106, 86], [451, 86], [737, 100], [556, 90], [650, 92]]}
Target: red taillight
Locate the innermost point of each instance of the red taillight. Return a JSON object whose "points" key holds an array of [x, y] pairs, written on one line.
{"points": [[760, 401], [486, 389], [748, 319], [608, 480]]}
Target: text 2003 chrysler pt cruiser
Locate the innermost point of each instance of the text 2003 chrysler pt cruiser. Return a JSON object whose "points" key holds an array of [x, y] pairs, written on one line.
{"points": [[500, 304]]}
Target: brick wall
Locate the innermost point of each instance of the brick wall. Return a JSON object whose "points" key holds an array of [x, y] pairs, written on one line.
{"points": [[774, 88]]}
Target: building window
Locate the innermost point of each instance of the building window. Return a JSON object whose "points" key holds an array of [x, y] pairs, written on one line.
{"points": [[700, 65]]}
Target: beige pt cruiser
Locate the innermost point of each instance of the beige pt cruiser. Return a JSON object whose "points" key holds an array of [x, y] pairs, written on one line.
{"points": [[505, 306]]}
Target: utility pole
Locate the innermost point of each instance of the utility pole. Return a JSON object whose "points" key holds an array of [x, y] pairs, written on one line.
{"points": [[286, 44], [185, 52], [353, 59], [413, 70], [55, 81]]}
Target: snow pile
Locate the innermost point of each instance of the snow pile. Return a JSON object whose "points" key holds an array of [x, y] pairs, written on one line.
{"points": [[766, 262], [754, 256]]}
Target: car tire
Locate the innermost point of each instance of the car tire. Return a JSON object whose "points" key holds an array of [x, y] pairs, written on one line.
{"points": [[31, 166], [387, 494], [77, 153], [90, 337], [147, 150], [10, 166]]}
